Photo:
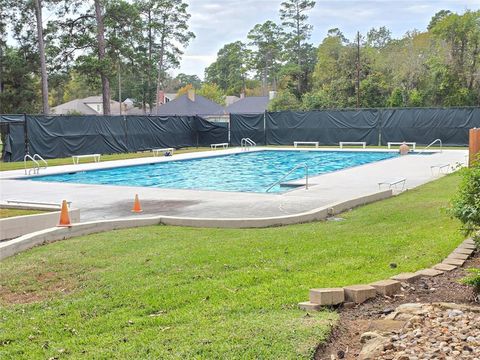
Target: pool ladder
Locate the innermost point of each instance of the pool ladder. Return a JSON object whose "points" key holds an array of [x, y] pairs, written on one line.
{"points": [[245, 143], [432, 143], [305, 166], [36, 165]]}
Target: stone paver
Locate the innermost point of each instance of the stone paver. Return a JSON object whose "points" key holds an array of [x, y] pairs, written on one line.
{"points": [[406, 277], [430, 272], [444, 267], [458, 256], [463, 251], [455, 262], [327, 296], [387, 287], [359, 293]]}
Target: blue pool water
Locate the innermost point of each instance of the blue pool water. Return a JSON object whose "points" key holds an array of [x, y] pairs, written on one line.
{"points": [[249, 171]]}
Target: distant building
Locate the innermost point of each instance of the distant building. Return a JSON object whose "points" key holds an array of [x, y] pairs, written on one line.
{"points": [[249, 105], [93, 105], [163, 97], [189, 104]]}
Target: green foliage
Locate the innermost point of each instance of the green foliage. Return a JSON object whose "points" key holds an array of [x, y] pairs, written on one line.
{"points": [[267, 56], [212, 92], [293, 14], [473, 279], [183, 79], [229, 71], [396, 98], [284, 100], [415, 98], [374, 91], [439, 67], [466, 204], [20, 82]]}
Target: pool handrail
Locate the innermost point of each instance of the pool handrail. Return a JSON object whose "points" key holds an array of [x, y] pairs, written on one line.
{"points": [[38, 157], [36, 166], [246, 142], [432, 143], [305, 166]]}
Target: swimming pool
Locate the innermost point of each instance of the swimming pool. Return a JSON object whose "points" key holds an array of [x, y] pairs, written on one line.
{"points": [[251, 171]]}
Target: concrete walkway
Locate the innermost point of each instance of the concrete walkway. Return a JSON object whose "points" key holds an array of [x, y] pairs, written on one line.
{"points": [[98, 202]]}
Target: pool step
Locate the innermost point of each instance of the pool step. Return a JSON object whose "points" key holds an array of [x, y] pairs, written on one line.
{"points": [[291, 185]]}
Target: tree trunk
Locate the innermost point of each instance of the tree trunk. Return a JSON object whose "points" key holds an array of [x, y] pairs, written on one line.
{"points": [[1, 73], [150, 72], [101, 57], [299, 55], [41, 52], [160, 69]]}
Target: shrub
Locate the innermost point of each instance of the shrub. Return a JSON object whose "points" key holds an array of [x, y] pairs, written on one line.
{"points": [[466, 204], [473, 280]]}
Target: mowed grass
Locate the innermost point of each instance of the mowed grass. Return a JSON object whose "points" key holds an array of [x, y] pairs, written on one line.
{"points": [[5, 166], [186, 293], [6, 213]]}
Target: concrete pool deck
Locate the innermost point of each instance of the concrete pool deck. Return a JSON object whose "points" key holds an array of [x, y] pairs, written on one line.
{"points": [[102, 202]]}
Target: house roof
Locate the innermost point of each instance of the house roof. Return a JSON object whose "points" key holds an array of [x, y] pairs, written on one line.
{"points": [[183, 106], [73, 106], [248, 105], [80, 106]]}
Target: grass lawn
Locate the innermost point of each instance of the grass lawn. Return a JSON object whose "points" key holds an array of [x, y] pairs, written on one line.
{"points": [[5, 166], [176, 292], [6, 213]]}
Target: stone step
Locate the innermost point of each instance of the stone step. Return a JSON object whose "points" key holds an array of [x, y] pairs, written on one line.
{"points": [[387, 287], [458, 256], [359, 293], [406, 277], [327, 296], [456, 262], [444, 267], [429, 272], [463, 251]]}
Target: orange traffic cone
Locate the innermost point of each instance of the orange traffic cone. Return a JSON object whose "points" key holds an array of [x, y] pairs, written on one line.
{"points": [[137, 208], [64, 217]]}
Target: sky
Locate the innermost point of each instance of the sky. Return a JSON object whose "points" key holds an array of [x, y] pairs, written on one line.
{"points": [[219, 22]]}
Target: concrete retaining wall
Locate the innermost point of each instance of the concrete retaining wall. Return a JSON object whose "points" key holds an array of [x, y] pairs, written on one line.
{"points": [[12, 247], [13, 227]]}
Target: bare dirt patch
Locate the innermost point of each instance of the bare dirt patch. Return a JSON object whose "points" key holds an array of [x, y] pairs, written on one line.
{"points": [[42, 286], [344, 342]]}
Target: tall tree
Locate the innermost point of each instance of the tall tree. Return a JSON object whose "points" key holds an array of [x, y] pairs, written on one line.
{"points": [[101, 57], [27, 20], [229, 71], [267, 40], [379, 38], [41, 54], [462, 35], [19, 82], [166, 34], [293, 14], [3, 46]]}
